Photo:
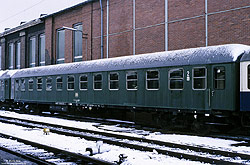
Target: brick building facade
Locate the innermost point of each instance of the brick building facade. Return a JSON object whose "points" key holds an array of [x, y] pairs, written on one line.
{"points": [[133, 27]]}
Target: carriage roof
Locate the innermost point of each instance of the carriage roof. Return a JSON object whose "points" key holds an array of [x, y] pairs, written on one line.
{"points": [[194, 56]]}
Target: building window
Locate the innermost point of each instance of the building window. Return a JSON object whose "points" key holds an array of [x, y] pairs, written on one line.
{"points": [[83, 82], [98, 81], [71, 83], [18, 55], [199, 78], [176, 78], [49, 84], [152, 80], [60, 46], [31, 84], [59, 83], [11, 55], [0, 57], [132, 80], [113, 81], [219, 77], [22, 84], [32, 52], [42, 50], [77, 43], [39, 83]]}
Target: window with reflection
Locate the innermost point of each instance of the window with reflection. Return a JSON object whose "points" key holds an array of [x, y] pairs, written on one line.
{"points": [[48, 83], [132, 80], [83, 82], [11, 55], [77, 44], [152, 78], [39, 83], [114, 81], [22, 84], [219, 77], [176, 78], [98, 81], [31, 84], [42, 50], [59, 83], [32, 52], [71, 82], [199, 78], [18, 55], [17, 85], [60, 47]]}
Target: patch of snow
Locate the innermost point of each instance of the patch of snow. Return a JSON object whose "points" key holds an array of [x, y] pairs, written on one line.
{"points": [[79, 145]]}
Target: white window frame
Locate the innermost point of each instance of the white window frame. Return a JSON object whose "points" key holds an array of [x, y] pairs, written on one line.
{"points": [[23, 84], [116, 89], [134, 89], [70, 82], [97, 81], [152, 80], [37, 84], [17, 85], [199, 77], [59, 77], [31, 79], [83, 82], [49, 89], [169, 78]]}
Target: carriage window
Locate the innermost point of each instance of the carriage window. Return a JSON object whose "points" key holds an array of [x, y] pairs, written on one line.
{"points": [[39, 83], [2, 85], [219, 77], [22, 84], [17, 86], [152, 80], [98, 81], [113, 81], [176, 78], [199, 78], [71, 83], [49, 84], [31, 84], [248, 75], [83, 82], [59, 83], [131, 80]]}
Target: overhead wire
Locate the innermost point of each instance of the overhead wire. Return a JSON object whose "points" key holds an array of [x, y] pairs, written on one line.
{"points": [[6, 19]]}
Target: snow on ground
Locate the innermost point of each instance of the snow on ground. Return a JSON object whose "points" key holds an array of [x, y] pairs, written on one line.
{"points": [[79, 145]]}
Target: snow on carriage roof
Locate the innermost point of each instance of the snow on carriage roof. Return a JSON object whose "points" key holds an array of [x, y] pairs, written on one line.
{"points": [[193, 56], [7, 73]]}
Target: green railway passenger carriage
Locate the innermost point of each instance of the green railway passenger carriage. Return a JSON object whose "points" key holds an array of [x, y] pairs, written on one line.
{"points": [[193, 85]]}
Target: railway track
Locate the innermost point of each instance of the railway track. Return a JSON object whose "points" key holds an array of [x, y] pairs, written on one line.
{"points": [[129, 125], [43, 154], [192, 153]]}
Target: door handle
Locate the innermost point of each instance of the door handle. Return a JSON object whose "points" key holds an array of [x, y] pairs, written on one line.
{"points": [[212, 93]]}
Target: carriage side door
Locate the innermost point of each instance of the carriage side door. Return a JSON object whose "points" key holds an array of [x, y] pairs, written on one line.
{"points": [[220, 92], [201, 87]]}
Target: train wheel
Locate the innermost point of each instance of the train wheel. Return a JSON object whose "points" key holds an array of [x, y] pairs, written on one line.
{"points": [[245, 120], [201, 127]]}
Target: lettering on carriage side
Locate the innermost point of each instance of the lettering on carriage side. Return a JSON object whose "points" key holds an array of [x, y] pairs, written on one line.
{"points": [[188, 75]]}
